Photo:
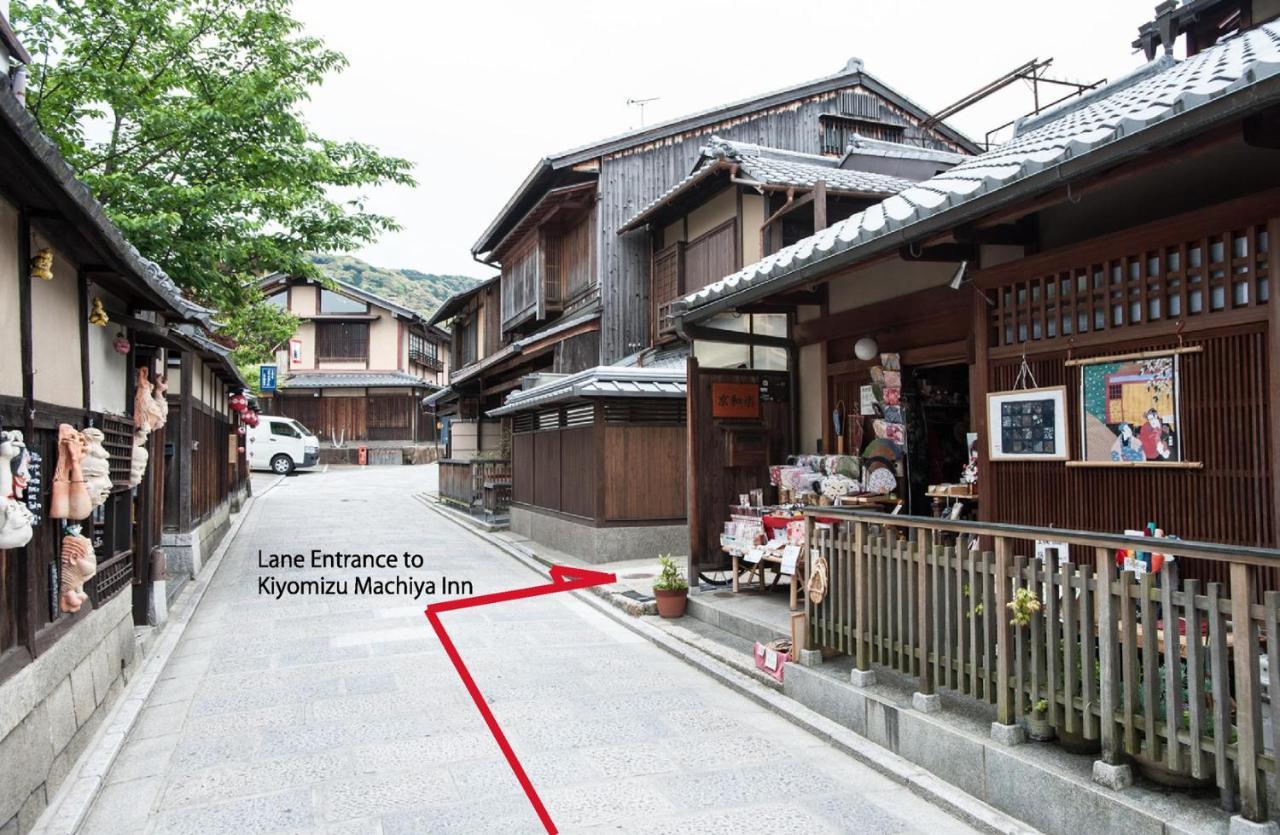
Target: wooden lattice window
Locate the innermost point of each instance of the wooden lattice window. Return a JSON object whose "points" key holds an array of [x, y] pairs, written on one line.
{"points": [[1216, 272], [342, 340]]}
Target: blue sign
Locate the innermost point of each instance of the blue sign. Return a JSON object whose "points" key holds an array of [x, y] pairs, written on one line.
{"points": [[266, 378]]}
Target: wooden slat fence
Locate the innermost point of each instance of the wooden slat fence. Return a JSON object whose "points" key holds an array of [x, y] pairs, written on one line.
{"points": [[463, 482], [1157, 669]]}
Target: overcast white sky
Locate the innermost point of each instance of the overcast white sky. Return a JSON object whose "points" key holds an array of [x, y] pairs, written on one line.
{"points": [[474, 93]]}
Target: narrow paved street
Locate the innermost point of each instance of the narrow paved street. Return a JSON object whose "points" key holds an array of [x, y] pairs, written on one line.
{"points": [[342, 714]]}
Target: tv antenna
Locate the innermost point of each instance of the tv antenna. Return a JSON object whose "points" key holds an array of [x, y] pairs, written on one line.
{"points": [[641, 103]]}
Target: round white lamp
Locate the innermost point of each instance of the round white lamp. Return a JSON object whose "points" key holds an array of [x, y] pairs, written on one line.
{"points": [[866, 349]]}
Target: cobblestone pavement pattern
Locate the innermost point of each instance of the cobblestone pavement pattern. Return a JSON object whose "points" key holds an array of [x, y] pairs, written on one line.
{"points": [[343, 715]]}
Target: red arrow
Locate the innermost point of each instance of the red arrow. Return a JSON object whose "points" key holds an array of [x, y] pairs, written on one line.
{"points": [[563, 578]]}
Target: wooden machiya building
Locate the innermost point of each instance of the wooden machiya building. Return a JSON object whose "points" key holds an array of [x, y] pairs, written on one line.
{"points": [[356, 370], [86, 327], [1093, 303], [577, 282]]}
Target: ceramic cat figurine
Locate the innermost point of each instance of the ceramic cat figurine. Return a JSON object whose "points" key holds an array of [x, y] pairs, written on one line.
{"points": [[96, 467], [78, 565], [70, 498]]}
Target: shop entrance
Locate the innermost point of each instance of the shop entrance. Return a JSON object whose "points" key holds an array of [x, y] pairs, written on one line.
{"points": [[937, 416]]}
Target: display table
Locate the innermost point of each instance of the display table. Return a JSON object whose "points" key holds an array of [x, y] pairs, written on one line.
{"points": [[758, 569]]}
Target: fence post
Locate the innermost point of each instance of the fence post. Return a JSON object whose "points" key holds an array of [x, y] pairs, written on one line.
{"points": [[1253, 797], [1004, 640], [860, 607], [924, 613], [1106, 655]]}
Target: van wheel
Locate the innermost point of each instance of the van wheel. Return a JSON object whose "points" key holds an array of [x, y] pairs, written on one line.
{"points": [[282, 464]]}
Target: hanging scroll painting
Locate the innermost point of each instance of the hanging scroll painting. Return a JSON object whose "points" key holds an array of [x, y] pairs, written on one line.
{"points": [[1130, 410], [1028, 425]]}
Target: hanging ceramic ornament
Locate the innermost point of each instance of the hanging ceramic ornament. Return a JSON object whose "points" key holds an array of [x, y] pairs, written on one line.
{"points": [[160, 406], [42, 264], [98, 315], [78, 565], [96, 467], [121, 343], [138, 458], [70, 498]]}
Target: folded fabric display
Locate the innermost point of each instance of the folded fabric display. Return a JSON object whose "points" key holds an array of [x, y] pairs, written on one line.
{"points": [[845, 465], [892, 362], [890, 396], [801, 480], [884, 378], [895, 432], [775, 475], [835, 486], [892, 413]]}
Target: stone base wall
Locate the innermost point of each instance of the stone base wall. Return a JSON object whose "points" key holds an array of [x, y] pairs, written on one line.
{"points": [[597, 545], [350, 455], [186, 553], [51, 708]]}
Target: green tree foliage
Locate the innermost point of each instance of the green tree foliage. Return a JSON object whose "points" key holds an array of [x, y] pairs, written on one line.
{"points": [[418, 291], [183, 117], [256, 328]]}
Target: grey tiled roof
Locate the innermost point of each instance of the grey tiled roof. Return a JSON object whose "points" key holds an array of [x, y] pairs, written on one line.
{"points": [[1162, 91], [774, 167], [352, 379], [601, 381]]}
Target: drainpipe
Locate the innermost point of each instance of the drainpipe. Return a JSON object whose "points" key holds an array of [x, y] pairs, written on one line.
{"points": [[689, 331]]}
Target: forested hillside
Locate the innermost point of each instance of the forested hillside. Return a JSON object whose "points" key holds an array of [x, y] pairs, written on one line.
{"points": [[423, 292]]}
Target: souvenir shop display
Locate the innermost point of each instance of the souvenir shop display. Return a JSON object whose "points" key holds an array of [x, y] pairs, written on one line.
{"points": [[138, 458], [96, 467], [1140, 562], [78, 565], [70, 496], [16, 520]]}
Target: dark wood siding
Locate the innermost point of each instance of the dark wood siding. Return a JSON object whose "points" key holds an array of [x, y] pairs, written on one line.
{"points": [[546, 469], [645, 472], [342, 341], [632, 179], [578, 470], [710, 257], [388, 417]]}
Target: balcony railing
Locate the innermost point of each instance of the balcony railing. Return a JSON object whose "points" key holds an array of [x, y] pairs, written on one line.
{"points": [[1153, 668], [477, 486], [423, 358]]}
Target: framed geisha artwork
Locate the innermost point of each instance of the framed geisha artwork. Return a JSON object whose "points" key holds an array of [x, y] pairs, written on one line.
{"points": [[1028, 425], [1130, 410]]}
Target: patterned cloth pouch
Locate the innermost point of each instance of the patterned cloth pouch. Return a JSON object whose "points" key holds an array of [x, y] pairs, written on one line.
{"points": [[891, 395], [892, 362], [845, 465]]}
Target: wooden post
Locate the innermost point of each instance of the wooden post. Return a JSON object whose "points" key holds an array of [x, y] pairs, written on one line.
{"points": [[1004, 639], [819, 205], [693, 464], [924, 611], [82, 284], [1273, 388], [1253, 793], [183, 442], [27, 585], [1108, 695], [860, 602]]}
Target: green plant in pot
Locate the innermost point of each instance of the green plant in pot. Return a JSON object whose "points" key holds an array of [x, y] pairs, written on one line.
{"points": [[671, 589], [1038, 727]]}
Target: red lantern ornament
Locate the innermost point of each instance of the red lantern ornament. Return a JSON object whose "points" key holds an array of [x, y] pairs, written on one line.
{"points": [[121, 343], [240, 450], [239, 402], [240, 429]]}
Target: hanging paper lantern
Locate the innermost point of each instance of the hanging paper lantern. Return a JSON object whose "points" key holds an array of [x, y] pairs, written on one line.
{"points": [[121, 343], [239, 402], [240, 429]]}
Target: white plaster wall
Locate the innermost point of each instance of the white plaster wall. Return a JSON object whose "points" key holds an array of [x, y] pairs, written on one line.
{"points": [[722, 207], [753, 206], [108, 369], [887, 280], [10, 318], [810, 394], [55, 321]]}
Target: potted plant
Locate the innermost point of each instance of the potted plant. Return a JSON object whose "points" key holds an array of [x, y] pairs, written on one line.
{"points": [[671, 589], [1038, 727]]}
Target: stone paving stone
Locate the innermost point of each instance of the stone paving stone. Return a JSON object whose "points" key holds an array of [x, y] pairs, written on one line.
{"points": [[269, 813], [344, 716]]}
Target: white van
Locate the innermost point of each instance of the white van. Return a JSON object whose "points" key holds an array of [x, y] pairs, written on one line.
{"points": [[281, 444]]}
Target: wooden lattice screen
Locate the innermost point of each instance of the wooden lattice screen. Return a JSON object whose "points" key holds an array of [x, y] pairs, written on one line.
{"points": [[1183, 279]]}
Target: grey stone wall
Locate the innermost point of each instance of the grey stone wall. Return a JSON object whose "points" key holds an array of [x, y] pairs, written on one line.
{"points": [[597, 545], [51, 708]]}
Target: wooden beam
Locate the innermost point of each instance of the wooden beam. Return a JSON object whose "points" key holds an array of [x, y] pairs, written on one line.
{"points": [[934, 302], [82, 293], [819, 205], [694, 465], [951, 253], [1021, 233]]}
